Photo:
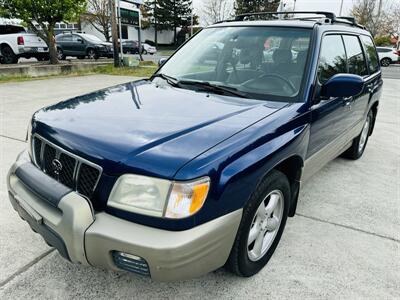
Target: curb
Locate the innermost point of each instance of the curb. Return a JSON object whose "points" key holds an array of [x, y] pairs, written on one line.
{"points": [[48, 70]]}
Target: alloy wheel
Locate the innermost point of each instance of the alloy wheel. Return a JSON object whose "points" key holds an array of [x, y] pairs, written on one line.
{"points": [[265, 225], [364, 134]]}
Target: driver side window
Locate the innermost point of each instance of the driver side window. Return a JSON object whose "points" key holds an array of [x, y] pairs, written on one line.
{"points": [[332, 59]]}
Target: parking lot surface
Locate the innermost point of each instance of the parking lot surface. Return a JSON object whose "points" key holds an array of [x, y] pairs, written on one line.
{"points": [[344, 241]]}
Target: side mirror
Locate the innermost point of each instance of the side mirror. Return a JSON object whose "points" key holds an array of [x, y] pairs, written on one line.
{"points": [[80, 41], [162, 61], [342, 85]]}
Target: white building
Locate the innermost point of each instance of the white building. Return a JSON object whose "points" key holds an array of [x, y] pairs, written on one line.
{"points": [[130, 13]]}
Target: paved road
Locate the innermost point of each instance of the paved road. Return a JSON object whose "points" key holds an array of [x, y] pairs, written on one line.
{"points": [[343, 243], [393, 71]]}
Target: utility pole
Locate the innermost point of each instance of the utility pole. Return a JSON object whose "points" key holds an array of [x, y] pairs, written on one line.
{"points": [[114, 32], [191, 20], [120, 32], [341, 8]]}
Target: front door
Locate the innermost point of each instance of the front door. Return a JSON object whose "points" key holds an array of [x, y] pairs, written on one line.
{"points": [[329, 117]]}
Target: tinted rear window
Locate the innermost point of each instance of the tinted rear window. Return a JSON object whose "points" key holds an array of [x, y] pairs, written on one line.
{"points": [[10, 29]]}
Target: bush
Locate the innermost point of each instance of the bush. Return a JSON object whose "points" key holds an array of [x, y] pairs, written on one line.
{"points": [[382, 41]]}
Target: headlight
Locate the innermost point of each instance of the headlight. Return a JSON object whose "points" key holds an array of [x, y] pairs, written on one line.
{"points": [[158, 197]]}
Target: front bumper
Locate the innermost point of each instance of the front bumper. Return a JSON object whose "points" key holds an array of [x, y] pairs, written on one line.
{"points": [[67, 222]]}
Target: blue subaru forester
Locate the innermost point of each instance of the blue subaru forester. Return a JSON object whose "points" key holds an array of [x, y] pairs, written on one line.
{"points": [[199, 166]]}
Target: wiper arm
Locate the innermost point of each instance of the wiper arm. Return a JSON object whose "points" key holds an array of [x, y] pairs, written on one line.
{"points": [[171, 80], [213, 87]]}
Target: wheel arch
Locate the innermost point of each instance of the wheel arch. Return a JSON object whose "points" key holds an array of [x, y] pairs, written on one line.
{"points": [[374, 109], [292, 167]]}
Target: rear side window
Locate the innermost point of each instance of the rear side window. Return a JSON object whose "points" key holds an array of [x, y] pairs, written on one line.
{"points": [[11, 29], [64, 38], [372, 56], [383, 50], [332, 59], [355, 56]]}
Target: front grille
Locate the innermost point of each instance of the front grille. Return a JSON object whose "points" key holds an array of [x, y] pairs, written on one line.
{"points": [[78, 174]]}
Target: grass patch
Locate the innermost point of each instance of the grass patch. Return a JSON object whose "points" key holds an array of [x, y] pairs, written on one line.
{"points": [[145, 70]]}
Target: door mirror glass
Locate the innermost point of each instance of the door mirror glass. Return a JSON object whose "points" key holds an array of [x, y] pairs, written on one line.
{"points": [[342, 85]]}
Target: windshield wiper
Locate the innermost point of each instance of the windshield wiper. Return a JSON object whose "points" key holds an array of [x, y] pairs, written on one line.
{"points": [[171, 80], [214, 87]]}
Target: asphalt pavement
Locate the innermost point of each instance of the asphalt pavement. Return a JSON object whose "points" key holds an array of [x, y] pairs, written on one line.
{"points": [[344, 241]]}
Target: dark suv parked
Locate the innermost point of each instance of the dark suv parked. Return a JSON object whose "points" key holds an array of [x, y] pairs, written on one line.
{"points": [[199, 166], [82, 45]]}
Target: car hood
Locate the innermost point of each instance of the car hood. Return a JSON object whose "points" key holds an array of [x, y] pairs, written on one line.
{"points": [[141, 127]]}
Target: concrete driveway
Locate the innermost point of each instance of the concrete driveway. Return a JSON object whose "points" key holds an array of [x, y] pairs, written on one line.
{"points": [[343, 243]]}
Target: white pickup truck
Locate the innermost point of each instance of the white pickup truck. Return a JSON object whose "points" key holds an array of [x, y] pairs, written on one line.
{"points": [[16, 42]]}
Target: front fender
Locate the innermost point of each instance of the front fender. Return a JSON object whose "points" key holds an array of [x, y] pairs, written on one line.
{"points": [[236, 167]]}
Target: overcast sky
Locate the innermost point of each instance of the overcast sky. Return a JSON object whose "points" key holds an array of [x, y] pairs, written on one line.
{"points": [[326, 5]]}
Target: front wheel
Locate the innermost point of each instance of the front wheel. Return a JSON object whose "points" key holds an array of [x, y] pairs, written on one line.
{"points": [[263, 221], [359, 143], [385, 62]]}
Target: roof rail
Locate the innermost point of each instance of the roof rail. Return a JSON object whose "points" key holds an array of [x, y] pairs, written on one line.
{"points": [[274, 15], [349, 20]]}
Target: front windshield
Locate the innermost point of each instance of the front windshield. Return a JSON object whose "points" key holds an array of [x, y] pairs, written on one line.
{"points": [[261, 62], [91, 38]]}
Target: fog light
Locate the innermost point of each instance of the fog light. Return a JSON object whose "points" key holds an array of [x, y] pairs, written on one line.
{"points": [[131, 263]]}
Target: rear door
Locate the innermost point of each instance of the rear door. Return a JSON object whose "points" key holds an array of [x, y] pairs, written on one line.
{"points": [[78, 45], [65, 42], [357, 65]]}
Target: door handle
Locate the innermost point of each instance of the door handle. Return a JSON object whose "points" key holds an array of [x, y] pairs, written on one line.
{"points": [[347, 102]]}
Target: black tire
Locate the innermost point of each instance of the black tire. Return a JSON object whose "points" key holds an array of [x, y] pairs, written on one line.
{"points": [[60, 54], [9, 56], [385, 62], [358, 146], [144, 52], [43, 57], [239, 262], [92, 54]]}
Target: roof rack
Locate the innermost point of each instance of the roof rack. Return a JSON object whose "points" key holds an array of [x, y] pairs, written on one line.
{"points": [[274, 15], [330, 17], [349, 20]]}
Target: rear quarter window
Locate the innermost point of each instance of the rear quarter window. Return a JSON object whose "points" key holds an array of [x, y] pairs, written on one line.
{"points": [[370, 51]]}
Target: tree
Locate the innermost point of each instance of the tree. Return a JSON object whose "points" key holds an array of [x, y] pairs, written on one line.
{"points": [[217, 10], [168, 15], [99, 16], [378, 16], [42, 15], [249, 6]]}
